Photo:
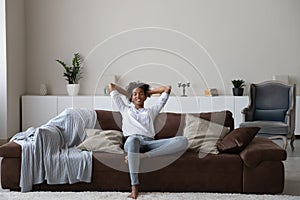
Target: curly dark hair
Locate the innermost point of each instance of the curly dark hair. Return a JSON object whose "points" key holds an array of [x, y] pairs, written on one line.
{"points": [[132, 85]]}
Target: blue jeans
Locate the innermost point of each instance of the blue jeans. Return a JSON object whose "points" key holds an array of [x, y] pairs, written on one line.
{"points": [[135, 144]]}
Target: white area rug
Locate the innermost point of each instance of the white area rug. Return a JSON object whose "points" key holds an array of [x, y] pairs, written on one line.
{"points": [[142, 196]]}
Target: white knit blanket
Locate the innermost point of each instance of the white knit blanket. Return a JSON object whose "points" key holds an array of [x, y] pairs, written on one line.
{"points": [[49, 153]]}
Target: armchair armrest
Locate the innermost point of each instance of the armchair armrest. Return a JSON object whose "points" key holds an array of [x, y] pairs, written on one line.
{"points": [[245, 110], [247, 113], [262, 149], [290, 120]]}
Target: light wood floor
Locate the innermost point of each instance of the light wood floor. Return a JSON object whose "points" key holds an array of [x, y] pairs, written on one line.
{"points": [[292, 170]]}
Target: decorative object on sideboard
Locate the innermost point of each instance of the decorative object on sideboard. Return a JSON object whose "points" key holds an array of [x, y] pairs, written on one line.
{"points": [[211, 92], [106, 90], [238, 87], [72, 74], [43, 89], [184, 85], [102, 85]]}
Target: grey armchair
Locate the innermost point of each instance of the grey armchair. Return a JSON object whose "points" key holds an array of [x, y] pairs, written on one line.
{"points": [[272, 108]]}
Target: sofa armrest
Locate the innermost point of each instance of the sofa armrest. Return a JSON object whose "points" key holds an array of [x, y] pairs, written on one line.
{"points": [[262, 149], [10, 150]]}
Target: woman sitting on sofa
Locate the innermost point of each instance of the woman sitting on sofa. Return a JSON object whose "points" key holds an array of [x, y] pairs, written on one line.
{"points": [[138, 127]]}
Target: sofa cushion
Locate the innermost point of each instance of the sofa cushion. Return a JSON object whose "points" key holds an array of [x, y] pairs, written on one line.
{"points": [[166, 124], [169, 125], [110, 141], [237, 140], [109, 120], [220, 117], [202, 134]]}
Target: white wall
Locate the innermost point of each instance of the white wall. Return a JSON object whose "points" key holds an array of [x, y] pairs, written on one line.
{"points": [[208, 42], [248, 39], [3, 91], [16, 63], [15, 67]]}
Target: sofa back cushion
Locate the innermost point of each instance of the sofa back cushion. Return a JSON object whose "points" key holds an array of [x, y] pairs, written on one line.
{"points": [[220, 117], [270, 115], [167, 124], [109, 120]]}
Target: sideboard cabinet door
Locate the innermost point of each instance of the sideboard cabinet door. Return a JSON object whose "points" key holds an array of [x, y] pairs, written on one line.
{"points": [[64, 102], [37, 110]]}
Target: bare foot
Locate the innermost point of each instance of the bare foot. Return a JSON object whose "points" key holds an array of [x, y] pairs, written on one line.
{"points": [[134, 192]]}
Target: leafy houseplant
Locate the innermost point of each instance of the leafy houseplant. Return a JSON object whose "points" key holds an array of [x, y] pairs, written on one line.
{"points": [[72, 74], [238, 87]]}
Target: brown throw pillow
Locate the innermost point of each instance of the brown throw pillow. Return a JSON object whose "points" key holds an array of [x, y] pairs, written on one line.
{"points": [[237, 140]]}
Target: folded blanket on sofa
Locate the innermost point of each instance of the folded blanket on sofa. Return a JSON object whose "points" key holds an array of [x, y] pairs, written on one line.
{"points": [[49, 153]]}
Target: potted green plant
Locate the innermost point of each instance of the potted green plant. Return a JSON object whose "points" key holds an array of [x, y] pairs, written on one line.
{"points": [[238, 87], [72, 74]]}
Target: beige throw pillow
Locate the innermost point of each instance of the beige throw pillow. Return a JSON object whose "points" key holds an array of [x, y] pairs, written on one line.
{"points": [[110, 141], [203, 135]]}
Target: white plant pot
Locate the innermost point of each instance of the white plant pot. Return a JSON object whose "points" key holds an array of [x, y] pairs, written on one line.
{"points": [[72, 89]]}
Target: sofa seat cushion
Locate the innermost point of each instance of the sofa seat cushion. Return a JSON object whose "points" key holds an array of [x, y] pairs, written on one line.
{"points": [[188, 172], [260, 150], [267, 127], [204, 174], [11, 150]]}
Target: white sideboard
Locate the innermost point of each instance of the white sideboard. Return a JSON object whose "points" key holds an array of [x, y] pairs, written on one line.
{"points": [[37, 110]]}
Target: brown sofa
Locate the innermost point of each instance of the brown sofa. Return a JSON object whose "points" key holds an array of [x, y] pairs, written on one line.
{"points": [[256, 169]]}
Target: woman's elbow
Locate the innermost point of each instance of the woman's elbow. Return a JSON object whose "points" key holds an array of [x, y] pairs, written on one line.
{"points": [[167, 89]]}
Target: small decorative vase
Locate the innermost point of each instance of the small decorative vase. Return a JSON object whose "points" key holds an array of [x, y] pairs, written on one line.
{"points": [[237, 91], [43, 90], [72, 89]]}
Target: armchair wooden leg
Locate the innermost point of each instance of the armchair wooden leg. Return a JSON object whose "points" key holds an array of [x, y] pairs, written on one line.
{"points": [[283, 138], [292, 142]]}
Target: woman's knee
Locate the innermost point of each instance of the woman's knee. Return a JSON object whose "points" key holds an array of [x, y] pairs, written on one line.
{"points": [[183, 142], [132, 140], [131, 144]]}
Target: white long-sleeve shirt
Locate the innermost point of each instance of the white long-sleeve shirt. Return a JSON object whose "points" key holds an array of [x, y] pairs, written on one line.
{"points": [[138, 121]]}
